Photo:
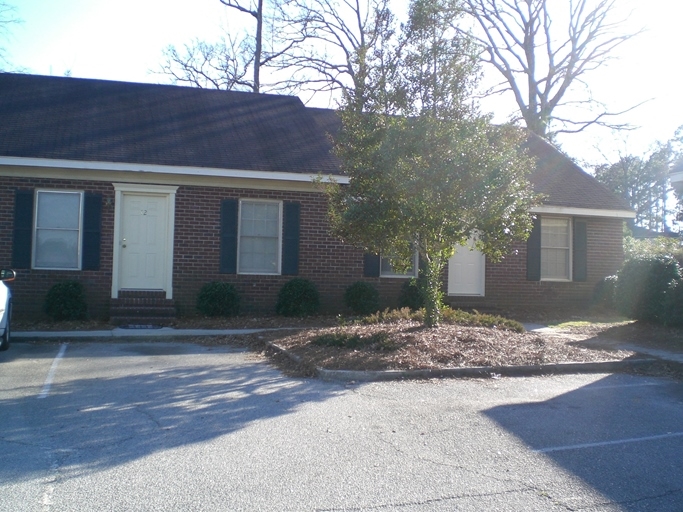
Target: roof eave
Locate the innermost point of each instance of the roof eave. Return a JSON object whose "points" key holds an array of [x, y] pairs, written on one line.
{"points": [[584, 212], [170, 169]]}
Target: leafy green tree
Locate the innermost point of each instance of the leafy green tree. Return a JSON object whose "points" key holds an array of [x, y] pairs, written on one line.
{"points": [[427, 172], [643, 182]]}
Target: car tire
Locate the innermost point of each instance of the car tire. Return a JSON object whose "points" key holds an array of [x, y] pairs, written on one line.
{"points": [[4, 340]]}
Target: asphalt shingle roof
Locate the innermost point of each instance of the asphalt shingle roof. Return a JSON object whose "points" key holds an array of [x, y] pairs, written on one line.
{"points": [[563, 183], [557, 177], [105, 121], [97, 120]]}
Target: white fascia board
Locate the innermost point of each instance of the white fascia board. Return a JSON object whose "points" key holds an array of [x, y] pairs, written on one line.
{"points": [[584, 212], [677, 181], [169, 169]]}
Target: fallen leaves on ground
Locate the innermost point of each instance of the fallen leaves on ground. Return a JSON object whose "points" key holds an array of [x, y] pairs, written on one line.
{"points": [[410, 346]]}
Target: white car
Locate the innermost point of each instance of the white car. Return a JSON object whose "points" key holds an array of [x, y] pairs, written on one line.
{"points": [[5, 307]]}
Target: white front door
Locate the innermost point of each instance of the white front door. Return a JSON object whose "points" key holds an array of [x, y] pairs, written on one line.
{"points": [[143, 242], [467, 272]]}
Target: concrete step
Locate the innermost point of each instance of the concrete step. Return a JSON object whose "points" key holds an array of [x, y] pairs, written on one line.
{"points": [[141, 321]]}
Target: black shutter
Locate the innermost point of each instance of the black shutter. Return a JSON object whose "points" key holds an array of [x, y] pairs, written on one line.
{"points": [[580, 248], [533, 252], [228, 250], [23, 229], [92, 231], [371, 263], [290, 238]]}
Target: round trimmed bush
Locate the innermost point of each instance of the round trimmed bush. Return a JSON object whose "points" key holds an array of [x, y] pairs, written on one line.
{"points": [[218, 299], [604, 291], [674, 306], [66, 301], [643, 287], [410, 296], [298, 297], [362, 298]]}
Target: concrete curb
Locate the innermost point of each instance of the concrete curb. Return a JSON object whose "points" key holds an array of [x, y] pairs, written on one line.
{"points": [[471, 371], [134, 333], [482, 371]]}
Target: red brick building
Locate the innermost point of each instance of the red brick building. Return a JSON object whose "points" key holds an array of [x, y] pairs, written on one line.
{"points": [[144, 193]]}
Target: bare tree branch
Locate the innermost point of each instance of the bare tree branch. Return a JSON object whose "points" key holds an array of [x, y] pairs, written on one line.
{"points": [[542, 62], [8, 19], [223, 65], [339, 39]]}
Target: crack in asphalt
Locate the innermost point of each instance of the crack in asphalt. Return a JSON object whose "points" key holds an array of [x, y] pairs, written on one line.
{"points": [[148, 415], [394, 506]]}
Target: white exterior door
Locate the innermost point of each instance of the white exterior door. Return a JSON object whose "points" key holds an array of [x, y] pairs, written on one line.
{"points": [[467, 272], [143, 242]]}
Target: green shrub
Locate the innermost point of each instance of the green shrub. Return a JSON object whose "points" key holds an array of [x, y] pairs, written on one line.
{"points": [[362, 298], [643, 286], [66, 301], [476, 319], [410, 296], [674, 306], [448, 316], [298, 297], [379, 341], [393, 315], [218, 299], [646, 247], [604, 292]]}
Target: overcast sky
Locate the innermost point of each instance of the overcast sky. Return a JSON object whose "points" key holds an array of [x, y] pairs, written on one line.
{"points": [[123, 40]]}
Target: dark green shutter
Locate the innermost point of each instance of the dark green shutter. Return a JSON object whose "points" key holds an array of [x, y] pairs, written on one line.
{"points": [[228, 248], [92, 231], [290, 238], [580, 248], [371, 264], [533, 252], [23, 229]]}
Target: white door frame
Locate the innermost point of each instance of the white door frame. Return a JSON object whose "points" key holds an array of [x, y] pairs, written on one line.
{"points": [[159, 190]]}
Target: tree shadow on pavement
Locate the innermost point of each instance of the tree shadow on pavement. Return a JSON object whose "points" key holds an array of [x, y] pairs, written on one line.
{"points": [[137, 402], [622, 435]]}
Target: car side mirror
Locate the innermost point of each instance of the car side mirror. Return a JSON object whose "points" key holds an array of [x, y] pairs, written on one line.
{"points": [[7, 274]]}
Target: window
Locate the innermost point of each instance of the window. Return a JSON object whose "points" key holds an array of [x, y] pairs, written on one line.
{"points": [[387, 270], [259, 237], [555, 249], [57, 235]]}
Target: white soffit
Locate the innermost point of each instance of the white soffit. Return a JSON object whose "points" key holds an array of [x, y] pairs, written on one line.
{"points": [[584, 212], [168, 169], [677, 181]]}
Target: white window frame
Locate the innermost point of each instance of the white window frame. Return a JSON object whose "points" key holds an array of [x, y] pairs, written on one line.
{"points": [[36, 228], [570, 249], [279, 237], [395, 275]]}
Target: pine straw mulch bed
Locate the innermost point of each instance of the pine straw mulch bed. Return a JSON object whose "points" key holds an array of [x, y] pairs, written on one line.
{"points": [[407, 345]]}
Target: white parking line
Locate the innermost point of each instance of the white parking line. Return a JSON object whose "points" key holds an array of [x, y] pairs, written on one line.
{"points": [[51, 374], [608, 443]]}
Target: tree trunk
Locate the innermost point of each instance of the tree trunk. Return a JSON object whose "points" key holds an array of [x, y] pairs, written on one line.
{"points": [[259, 43], [430, 289]]}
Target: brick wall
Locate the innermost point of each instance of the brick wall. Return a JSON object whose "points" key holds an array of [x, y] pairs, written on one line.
{"points": [[508, 289], [331, 265], [31, 286]]}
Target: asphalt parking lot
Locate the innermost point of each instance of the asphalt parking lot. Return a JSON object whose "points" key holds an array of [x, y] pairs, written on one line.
{"points": [[175, 426]]}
